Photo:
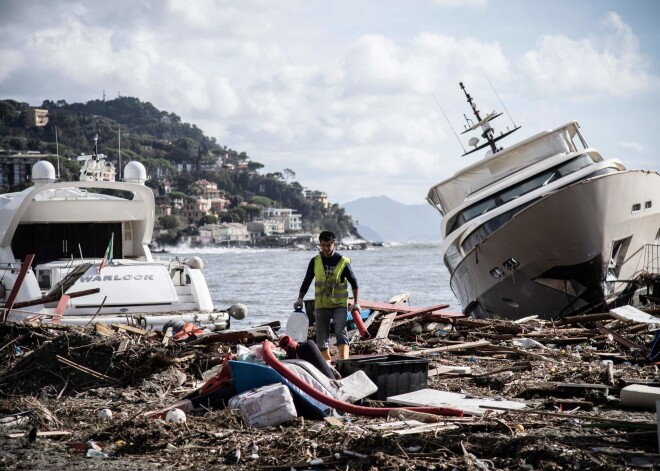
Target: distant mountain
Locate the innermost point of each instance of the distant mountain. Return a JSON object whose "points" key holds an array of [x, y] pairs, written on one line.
{"points": [[380, 218]]}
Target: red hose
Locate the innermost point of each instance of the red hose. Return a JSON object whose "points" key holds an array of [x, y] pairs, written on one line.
{"points": [[342, 406], [359, 324]]}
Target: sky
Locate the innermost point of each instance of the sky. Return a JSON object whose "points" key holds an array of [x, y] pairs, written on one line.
{"points": [[359, 98]]}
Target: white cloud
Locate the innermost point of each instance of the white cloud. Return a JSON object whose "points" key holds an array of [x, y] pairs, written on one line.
{"points": [[611, 64], [347, 101], [635, 147]]}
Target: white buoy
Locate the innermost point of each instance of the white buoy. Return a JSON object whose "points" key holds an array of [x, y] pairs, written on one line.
{"points": [[175, 416], [238, 311], [105, 415]]}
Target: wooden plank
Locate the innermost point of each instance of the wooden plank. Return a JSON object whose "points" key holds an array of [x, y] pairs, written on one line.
{"points": [[55, 297], [423, 429], [469, 405], [122, 345], [129, 328], [455, 370], [102, 329], [585, 318], [619, 339], [450, 348], [9, 304], [61, 307], [421, 311], [49, 433], [263, 333], [385, 325]]}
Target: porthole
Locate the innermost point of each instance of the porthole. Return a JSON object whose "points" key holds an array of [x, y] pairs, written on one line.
{"points": [[636, 207]]}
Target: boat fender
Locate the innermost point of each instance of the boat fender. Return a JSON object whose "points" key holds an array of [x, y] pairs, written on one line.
{"points": [[195, 262], [238, 311]]}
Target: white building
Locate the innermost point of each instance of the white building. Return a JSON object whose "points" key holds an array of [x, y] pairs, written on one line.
{"points": [[291, 220]]}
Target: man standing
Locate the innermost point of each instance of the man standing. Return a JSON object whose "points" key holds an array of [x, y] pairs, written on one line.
{"points": [[332, 272]]}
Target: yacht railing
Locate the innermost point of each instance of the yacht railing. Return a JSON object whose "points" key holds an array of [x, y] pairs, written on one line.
{"points": [[652, 259]]}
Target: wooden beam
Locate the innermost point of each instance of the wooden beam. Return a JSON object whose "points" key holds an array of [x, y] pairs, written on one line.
{"points": [[450, 348], [55, 297], [385, 325], [17, 285]]}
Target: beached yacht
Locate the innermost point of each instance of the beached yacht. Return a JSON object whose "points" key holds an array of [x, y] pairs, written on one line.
{"points": [[547, 226], [77, 251]]}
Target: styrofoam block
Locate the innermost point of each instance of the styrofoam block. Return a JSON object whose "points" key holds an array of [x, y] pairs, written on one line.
{"points": [[640, 395]]}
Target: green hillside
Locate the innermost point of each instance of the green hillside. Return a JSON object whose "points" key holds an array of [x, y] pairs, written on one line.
{"points": [[169, 148]]}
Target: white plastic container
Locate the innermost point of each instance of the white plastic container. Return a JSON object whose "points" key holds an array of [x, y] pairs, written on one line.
{"points": [[266, 406], [297, 326]]}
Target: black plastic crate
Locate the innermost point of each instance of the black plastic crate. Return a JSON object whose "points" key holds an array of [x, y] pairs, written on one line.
{"points": [[393, 374]]}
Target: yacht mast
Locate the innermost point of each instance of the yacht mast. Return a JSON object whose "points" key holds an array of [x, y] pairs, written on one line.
{"points": [[483, 123]]}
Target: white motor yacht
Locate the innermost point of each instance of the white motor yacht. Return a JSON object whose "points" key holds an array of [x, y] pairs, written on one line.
{"points": [[79, 251], [548, 227]]}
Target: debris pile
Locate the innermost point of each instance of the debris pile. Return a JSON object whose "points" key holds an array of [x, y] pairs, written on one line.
{"points": [[578, 393]]}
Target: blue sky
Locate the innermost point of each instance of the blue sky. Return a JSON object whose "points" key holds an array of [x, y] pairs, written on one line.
{"points": [[348, 93]]}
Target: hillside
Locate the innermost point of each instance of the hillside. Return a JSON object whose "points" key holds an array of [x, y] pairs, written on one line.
{"points": [[169, 148], [381, 218]]}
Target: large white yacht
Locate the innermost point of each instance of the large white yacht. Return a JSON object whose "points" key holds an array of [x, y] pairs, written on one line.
{"points": [[79, 251], [548, 226]]}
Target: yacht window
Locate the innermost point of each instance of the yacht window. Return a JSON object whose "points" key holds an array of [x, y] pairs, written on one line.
{"points": [[648, 205], [490, 226], [521, 188], [636, 207]]}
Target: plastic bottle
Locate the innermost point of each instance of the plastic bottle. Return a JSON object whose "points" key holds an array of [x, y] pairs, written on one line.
{"points": [[297, 326]]}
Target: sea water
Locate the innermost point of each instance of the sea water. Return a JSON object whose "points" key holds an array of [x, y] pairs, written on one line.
{"points": [[267, 280]]}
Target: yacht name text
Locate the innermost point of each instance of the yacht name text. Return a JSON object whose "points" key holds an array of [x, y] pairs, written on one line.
{"points": [[85, 279]]}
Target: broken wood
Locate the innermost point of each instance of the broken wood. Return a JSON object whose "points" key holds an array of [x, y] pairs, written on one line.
{"points": [[49, 433], [9, 304], [102, 328], [449, 348], [561, 415], [385, 325], [129, 328], [618, 338], [585, 318], [89, 371], [55, 297]]}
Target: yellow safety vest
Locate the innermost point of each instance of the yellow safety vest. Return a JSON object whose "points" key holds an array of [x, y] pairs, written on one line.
{"points": [[330, 291]]}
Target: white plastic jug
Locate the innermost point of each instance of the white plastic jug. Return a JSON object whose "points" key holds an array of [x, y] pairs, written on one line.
{"points": [[297, 326]]}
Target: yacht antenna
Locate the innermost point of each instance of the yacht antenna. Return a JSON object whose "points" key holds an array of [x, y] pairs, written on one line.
{"points": [[96, 147], [498, 97], [57, 151], [119, 132], [483, 123], [449, 123]]}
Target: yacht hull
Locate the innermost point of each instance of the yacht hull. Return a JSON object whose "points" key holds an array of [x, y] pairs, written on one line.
{"points": [[574, 250]]}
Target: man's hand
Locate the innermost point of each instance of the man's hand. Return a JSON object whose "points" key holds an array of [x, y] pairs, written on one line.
{"points": [[356, 306], [298, 305]]}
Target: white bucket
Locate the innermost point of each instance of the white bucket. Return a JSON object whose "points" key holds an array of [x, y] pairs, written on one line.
{"points": [[266, 406]]}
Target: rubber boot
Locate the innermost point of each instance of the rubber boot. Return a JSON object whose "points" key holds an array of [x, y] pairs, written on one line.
{"points": [[326, 355], [343, 351]]}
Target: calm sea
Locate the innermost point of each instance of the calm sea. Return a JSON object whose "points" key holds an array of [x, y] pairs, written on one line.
{"points": [[267, 280]]}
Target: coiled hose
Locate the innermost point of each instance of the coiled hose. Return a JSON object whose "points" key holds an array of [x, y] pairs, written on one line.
{"points": [[342, 406]]}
